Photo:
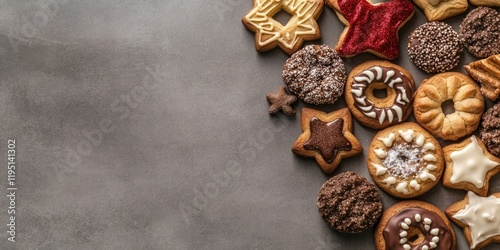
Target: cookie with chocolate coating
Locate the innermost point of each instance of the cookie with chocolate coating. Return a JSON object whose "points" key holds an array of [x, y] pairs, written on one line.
{"points": [[414, 225]]}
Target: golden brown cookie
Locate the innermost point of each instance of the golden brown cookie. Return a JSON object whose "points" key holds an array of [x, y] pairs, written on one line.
{"points": [[326, 137], [479, 217], [487, 73], [469, 166], [444, 91], [485, 2], [371, 110], [404, 160], [437, 10], [414, 225], [270, 33]]}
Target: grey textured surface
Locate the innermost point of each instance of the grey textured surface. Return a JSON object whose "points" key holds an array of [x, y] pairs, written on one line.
{"points": [[188, 157]]}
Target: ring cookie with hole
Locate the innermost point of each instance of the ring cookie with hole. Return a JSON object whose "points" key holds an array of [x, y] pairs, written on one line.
{"points": [[449, 90], [414, 225], [394, 83], [270, 33], [405, 160], [469, 166]]}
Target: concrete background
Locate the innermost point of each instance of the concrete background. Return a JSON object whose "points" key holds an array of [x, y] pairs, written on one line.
{"points": [[144, 125]]}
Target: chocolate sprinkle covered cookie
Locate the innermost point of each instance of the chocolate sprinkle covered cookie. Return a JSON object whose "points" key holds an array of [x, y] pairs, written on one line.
{"points": [[490, 130], [316, 74], [349, 203], [480, 32], [434, 47]]}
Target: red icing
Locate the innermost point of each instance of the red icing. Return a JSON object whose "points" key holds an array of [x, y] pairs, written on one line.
{"points": [[373, 27]]}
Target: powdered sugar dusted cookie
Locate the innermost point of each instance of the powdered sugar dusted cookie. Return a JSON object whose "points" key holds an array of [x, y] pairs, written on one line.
{"points": [[404, 160], [469, 166]]}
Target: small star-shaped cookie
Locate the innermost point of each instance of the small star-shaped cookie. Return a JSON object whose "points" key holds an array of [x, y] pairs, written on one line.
{"points": [[371, 27], [270, 33], [326, 137], [469, 166], [281, 101], [479, 217], [437, 10]]}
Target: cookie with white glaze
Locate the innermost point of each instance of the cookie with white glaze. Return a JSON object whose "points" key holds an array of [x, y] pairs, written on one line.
{"points": [[469, 166], [414, 225], [479, 217], [405, 160]]}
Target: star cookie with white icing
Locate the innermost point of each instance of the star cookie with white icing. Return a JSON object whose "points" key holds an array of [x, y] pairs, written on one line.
{"points": [[327, 137], [270, 33], [469, 166], [479, 217]]}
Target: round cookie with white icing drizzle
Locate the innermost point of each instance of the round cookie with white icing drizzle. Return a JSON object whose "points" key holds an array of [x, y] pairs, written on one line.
{"points": [[405, 161], [412, 225], [379, 93]]}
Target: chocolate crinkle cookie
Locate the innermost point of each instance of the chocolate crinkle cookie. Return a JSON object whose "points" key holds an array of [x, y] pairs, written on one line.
{"points": [[349, 203], [490, 130], [480, 32], [316, 74], [434, 47]]}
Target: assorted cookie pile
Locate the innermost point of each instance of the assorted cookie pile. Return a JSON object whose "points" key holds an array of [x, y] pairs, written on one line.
{"points": [[405, 159]]}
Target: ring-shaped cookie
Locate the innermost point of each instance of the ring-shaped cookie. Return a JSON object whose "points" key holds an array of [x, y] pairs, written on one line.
{"points": [[371, 110], [468, 105], [414, 225], [404, 160]]}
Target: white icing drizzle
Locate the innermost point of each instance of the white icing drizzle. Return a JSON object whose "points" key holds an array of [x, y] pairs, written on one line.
{"points": [[431, 167], [407, 135], [430, 157], [414, 184], [418, 217], [380, 169], [401, 187], [367, 107], [389, 180], [482, 215], [387, 141], [420, 140], [428, 146], [270, 30], [470, 164], [381, 153], [425, 175]]}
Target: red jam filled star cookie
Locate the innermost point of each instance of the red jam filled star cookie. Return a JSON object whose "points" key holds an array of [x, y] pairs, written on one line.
{"points": [[371, 27], [326, 137]]}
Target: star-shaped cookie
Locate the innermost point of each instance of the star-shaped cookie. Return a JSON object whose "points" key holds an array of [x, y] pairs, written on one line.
{"points": [[281, 101], [469, 166], [437, 10], [270, 33], [371, 27], [479, 217], [327, 137]]}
